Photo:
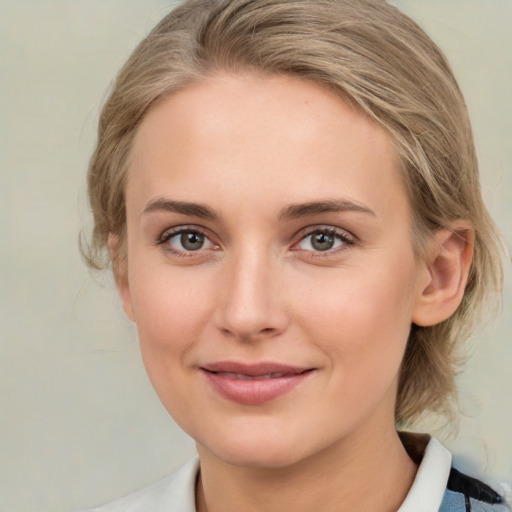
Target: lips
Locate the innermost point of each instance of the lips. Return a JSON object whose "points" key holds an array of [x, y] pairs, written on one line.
{"points": [[253, 384], [242, 376]]}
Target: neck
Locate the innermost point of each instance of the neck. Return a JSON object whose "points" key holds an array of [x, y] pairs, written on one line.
{"points": [[337, 479]]}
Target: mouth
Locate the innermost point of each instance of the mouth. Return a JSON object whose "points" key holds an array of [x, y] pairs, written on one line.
{"points": [[254, 384], [242, 376]]}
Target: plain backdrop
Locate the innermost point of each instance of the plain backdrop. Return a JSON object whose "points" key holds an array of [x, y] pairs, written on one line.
{"points": [[79, 422]]}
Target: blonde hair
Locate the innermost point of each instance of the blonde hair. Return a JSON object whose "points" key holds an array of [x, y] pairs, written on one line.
{"points": [[373, 56]]}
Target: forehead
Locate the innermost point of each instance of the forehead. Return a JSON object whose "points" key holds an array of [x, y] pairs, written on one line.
{"points": [[252, 136]]}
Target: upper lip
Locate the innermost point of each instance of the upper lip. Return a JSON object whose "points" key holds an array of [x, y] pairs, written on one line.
{"points": [[253, 370]]}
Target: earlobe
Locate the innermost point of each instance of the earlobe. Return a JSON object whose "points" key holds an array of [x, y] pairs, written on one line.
{"points": [[120, 275], [448, 265]]}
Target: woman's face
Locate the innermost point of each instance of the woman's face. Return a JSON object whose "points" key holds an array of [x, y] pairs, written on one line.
{"points": [[271, 273]]}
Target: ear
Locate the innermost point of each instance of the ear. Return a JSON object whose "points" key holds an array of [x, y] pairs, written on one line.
{"points": [[448, 262], [120, 271]]}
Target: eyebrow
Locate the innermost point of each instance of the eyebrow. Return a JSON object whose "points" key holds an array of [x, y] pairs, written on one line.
{"points": [[295, 211], [184, 207]]}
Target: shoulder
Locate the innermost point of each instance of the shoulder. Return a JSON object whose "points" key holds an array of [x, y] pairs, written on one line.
{"points": [[175, 492], [468, 494]]}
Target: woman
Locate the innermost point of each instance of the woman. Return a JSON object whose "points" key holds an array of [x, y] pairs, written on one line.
{"points": [[288, 195]]}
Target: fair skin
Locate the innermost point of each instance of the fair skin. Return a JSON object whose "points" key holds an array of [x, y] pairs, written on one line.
{"points": [[268, 233]]}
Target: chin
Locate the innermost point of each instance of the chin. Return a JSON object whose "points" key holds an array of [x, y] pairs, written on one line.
{"points": [[267, 457], [259, 449]]}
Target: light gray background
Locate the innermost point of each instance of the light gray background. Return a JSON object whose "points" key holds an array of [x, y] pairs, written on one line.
{"points": [[79, 422]]}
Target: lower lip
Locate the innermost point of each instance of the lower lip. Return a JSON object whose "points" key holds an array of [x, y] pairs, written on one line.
{"points": [[254, 392]]}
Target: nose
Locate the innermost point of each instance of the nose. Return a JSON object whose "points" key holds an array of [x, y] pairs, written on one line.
{"points": [[251, 302]]}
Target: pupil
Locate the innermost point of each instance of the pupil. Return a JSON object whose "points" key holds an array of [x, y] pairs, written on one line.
{"points": [[322, 241], [192, 241]]}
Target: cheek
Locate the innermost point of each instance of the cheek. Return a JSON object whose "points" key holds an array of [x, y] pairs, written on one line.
{"points": [[170, 310], [362, 320]]}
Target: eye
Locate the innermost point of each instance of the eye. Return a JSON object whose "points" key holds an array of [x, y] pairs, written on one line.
{"points": [[323, 240], [186, 240]]}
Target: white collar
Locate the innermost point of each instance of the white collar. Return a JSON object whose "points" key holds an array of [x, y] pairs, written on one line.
{"points": [[429, 486]]}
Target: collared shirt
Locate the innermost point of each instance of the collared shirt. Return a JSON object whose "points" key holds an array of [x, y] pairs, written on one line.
{"points": [[437, 487]]}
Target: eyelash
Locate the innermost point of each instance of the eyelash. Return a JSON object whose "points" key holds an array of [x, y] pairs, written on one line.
{"points": [[347, 240], [169, 234]]}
